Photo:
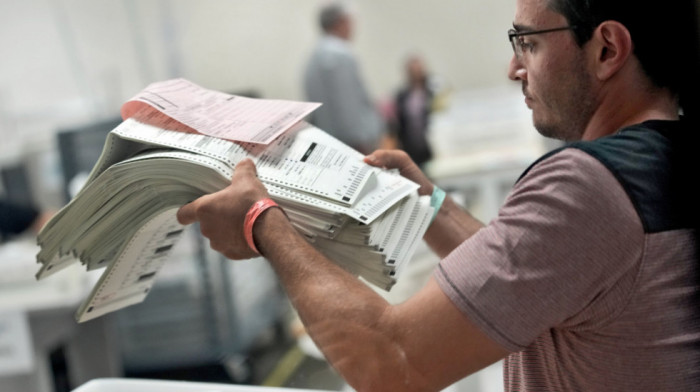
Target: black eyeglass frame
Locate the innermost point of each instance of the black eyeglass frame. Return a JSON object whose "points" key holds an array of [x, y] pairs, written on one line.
{"points": [[512, 33]]}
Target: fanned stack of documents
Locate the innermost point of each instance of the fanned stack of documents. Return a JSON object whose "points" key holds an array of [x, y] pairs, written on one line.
{"points": [[367, 220]]}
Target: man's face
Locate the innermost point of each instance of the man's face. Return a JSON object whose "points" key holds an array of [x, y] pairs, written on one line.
{"points": [[553, 72], [344, 28], [416, 71]]}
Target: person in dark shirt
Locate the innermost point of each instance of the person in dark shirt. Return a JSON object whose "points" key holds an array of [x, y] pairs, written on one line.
{"points": [[413, 105]]}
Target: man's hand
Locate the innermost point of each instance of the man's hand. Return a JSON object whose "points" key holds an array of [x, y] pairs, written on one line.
{"points": [[452, 225], [397, 159], [221, 214]]}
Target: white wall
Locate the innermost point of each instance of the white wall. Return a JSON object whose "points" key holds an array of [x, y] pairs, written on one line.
{"points": [[67, 62]]}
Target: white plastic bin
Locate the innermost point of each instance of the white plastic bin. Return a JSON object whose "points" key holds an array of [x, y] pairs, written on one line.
{"points": [[135, 385]]}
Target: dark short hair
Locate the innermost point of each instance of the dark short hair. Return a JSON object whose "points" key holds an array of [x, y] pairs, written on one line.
{"points": [[331, 14], [664, 34]]}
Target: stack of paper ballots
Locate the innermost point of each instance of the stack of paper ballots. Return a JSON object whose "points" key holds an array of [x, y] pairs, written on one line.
{"points": [[366, 219]]}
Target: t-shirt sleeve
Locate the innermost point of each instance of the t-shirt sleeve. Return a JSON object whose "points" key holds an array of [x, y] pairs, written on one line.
{"points": [[559, 254]]}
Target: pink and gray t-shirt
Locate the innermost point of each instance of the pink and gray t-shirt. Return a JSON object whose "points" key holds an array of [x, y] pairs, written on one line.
{"points": [[589, 274]]}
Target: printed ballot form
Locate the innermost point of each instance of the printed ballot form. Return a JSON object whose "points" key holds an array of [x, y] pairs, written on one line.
{"points": [[178, 142]]}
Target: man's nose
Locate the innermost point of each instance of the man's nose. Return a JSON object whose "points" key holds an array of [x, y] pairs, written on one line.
{"points": [[516, 70]]}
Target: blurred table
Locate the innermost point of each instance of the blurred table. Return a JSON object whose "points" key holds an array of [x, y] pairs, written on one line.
{"points": [[45, 310]]}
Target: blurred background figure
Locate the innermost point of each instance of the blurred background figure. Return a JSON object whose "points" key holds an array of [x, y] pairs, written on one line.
{"points": [[412, 107], [332, 77]]}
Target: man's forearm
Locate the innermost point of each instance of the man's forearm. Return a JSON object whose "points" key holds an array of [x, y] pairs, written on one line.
{"points": [[375, 346], [452, 226], [350, 323]]}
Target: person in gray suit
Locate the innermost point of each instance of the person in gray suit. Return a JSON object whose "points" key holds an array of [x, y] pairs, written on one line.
{"points": [[332, 77]]}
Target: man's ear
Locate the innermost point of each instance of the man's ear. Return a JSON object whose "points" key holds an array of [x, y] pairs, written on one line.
{"points": [[612, 47]]}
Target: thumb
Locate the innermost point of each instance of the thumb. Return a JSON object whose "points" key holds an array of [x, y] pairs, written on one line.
{"points": [[246, 167], [390, 159], [187, 213]]}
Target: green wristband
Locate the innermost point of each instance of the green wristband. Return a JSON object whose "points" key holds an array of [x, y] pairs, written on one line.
{"points": [[436, 200]]}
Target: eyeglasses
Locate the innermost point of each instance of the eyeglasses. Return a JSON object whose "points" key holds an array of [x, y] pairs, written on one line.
{"points": [[520, 46]]}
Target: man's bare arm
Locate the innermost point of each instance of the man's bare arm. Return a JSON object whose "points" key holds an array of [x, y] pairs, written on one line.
{"points": [[422, 345]]}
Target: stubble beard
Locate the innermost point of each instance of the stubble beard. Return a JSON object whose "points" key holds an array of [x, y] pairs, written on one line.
{"points": [[570, 106]]}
